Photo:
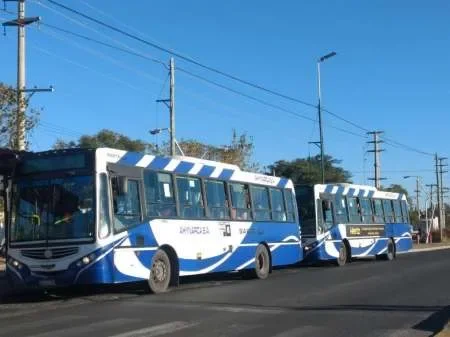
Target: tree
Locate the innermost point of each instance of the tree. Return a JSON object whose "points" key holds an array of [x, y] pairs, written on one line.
{"points": [[107, 138], [414, 215], [239, 152], [308, 170], [8, 117], [396, 188]]}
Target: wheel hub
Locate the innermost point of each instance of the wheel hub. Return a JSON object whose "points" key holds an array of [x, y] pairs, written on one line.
{"points": [[159, 271]]}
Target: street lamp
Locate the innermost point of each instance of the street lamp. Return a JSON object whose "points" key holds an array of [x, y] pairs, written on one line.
{"points": [[159, 130], [319, 61]]}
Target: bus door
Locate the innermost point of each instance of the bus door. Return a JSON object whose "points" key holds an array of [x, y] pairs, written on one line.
{"points": [[8, 162], [325, 212]]}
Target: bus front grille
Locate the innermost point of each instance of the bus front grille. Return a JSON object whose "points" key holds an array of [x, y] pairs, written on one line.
{"points": [[49, 253]]}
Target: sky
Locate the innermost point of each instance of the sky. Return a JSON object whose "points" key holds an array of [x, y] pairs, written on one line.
{"points": [[390, 73]]}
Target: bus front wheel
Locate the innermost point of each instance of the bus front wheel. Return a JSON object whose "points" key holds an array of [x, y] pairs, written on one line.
{"points": [[160, 272], [343, 255], [390, 251], [262, 262]]}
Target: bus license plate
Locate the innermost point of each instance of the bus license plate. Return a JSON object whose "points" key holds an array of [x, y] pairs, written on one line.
{"points": [[47, 283]]}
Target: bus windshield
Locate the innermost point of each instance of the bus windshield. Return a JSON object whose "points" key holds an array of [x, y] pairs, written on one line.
{"points": [[306, 209], [53, 209]]}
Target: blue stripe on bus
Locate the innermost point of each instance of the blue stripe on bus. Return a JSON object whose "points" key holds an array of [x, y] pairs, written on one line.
{"points": [[206, 171], [351, 192], [159, 163], [226, 174], [340, 190], [131, 158], [361, 193], [371, 194], [184, 167], [329, 188], [282, 183]]}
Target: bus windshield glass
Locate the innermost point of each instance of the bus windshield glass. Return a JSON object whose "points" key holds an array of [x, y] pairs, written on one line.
{"points": [[306, 209], [53, 209]]}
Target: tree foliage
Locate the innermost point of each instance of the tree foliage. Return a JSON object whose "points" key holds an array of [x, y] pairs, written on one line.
{"points": [[396, 188], [308, 170], [238, 152], [107, 138], [8, 116]]}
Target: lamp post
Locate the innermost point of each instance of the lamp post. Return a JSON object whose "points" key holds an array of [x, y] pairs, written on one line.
{"points": [[319, 109], [159, 130]]}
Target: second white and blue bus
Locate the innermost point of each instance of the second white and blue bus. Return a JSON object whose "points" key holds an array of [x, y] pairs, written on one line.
{"points": [[340, 222]]}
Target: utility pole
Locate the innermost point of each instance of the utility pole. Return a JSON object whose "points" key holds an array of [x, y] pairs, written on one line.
{"points": [[170, 103], [172, 106], [438, 193], [376, 151], [442, 210], [21, 22]]}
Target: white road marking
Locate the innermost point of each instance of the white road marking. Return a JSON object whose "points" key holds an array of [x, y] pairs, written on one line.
{"points": [[87, 328], [158, 330], [9, 330]]}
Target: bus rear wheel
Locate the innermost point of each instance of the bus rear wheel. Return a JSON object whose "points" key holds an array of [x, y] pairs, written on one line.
{"points": [[343, 255], [160, 272], [262, 262], [390, 251]]}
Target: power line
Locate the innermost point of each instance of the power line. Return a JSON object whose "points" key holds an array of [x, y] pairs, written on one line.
{"points": [[179, 55], [260, 101], [188, 59]]}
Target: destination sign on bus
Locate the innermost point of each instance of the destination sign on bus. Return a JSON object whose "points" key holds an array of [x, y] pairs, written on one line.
{"points": [[365, 230]]}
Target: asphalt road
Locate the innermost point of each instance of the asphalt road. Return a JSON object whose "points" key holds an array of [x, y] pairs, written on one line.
{"points": [[408, 297]]}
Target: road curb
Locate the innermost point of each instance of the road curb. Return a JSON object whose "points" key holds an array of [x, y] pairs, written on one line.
{"points": [[445, 332], [418, 250]]}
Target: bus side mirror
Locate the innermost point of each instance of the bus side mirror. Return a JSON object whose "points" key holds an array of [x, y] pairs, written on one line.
{"points": [[122, 185]]}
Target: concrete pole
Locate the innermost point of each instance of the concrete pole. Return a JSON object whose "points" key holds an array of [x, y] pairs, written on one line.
{"points": [[172, 107], [21, 106]]}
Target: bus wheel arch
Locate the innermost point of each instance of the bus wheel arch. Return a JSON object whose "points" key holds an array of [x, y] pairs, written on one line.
{"points": [[391, 250], [174, 264], [263, 261], [270, 256], [345, 253]]}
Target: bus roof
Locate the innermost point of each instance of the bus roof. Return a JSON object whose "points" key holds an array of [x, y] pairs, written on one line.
{"points": [[353, 190], [190, 166]]}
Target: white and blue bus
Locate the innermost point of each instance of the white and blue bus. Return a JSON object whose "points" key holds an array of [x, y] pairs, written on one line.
{"points": [[344, 221], [109, 216]]}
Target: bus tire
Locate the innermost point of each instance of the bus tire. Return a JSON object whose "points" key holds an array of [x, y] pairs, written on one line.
{"points": [[342, 259], [390, 251], [262, 262], [160, 272]]}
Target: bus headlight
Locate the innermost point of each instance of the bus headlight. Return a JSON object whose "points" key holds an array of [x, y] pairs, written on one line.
{"points": [[86, 260], [14, 263]]}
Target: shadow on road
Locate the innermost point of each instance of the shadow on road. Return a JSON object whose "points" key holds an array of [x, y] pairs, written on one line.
{"points": [[435, 322]]}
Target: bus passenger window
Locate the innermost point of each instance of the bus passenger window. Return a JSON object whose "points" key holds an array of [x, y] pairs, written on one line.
{"points": [[341, 209], [190, 197], [327, 214], [378, 211], [366, 210], [216, 200], [290, 208], [277, 202], [260, 199], [127, 208], [354, 210], [240, 200], [159, 195]]}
